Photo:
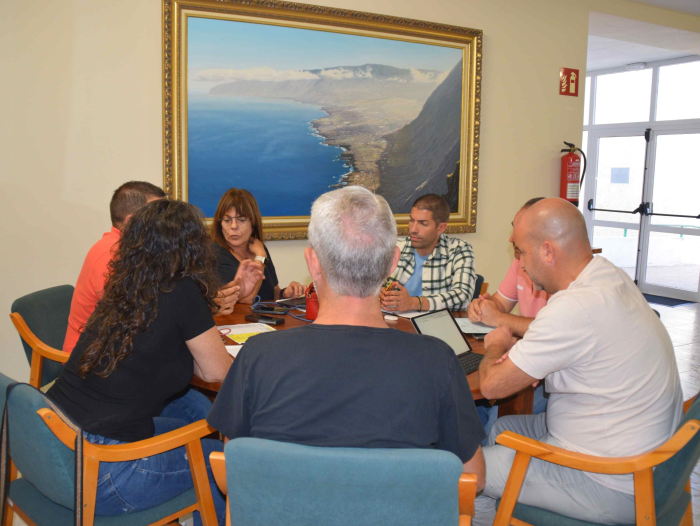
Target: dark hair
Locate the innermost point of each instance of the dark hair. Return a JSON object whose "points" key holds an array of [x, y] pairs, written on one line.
{"points": [[436, 205], [164, 242], [129, 197], [245, 205], [531, 202]]}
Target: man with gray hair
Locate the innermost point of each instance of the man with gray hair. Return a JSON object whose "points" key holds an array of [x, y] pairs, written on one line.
{"points": [[348, 380]]}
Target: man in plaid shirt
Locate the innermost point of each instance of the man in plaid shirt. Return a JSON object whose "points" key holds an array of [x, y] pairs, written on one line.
{"points": [[435, 271]]}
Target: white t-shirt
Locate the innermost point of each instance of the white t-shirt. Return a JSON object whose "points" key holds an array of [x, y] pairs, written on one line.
{"points": [[609, 368]]}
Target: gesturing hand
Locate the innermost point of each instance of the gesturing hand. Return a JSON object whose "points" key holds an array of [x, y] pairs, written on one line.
{"points": [[398, 299], [227, 298], [248, 275]]}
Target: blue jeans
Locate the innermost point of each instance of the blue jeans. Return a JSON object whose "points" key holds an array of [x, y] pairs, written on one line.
{"points": [[126, 487]]}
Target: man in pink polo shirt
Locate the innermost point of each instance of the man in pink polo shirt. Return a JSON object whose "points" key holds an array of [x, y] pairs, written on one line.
{"points": [[126, 200], [515, 289]]}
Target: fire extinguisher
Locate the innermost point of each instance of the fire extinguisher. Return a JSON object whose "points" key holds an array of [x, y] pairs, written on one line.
{"points": [[570, 170]]}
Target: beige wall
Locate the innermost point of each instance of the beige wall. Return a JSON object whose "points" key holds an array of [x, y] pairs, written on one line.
{"points": [[80, 113]]}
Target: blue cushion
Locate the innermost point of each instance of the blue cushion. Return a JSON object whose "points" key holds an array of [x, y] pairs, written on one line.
{"points": [[46, 314], [43, 512], [4, 382], [35, 450], [273, 482]]}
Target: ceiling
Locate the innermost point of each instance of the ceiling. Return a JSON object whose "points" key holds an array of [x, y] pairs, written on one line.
{"points": [[685, 6], [614, 41]]}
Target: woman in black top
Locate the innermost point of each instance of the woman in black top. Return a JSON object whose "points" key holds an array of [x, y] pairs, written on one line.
{"points": [[237, 232], [128, 377]]}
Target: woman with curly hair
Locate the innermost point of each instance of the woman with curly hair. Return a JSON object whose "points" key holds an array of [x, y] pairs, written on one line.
{"points": [[237, 234], [128, 377]]}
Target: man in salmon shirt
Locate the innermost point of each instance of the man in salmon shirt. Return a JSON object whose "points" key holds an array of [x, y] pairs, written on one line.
{"points": [[126, 200], [515, 289]]}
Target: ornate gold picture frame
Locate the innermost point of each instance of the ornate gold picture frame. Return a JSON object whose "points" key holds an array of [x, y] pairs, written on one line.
{"points": [[292, 100]]}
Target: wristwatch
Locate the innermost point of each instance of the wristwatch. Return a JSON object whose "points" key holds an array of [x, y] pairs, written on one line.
{"points": [[261, 259]]}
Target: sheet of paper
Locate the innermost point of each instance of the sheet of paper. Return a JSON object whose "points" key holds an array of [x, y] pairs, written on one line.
{"points": [[408, 314], [233, 349], [239, 334], [467, 327]]}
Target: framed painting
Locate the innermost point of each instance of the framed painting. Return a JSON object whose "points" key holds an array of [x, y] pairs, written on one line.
{"points": [[290, 101]]}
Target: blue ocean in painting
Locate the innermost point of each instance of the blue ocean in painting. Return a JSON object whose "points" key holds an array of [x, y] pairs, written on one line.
{"points": [[266, 146]]}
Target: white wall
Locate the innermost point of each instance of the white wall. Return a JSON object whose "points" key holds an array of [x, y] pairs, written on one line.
{"points": [[80, 113]]}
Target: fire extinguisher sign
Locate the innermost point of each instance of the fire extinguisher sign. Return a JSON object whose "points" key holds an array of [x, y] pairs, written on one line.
{"points": [[568, 82]]}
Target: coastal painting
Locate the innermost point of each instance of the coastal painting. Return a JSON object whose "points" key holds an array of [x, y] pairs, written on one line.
{"points": [[291, 112]]}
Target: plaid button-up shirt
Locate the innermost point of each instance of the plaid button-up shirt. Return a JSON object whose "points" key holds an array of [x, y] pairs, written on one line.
{"points": [[448, 273]]}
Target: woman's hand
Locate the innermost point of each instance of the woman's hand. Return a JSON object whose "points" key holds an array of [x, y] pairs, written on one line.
{"points": [[249, 274], [293, 290], [227, 298], [257, 247]]}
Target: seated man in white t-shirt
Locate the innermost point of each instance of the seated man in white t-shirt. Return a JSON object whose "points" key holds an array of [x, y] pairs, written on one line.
{"points": [[608, 365]]}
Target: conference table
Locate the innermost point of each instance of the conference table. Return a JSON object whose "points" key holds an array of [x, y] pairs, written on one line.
{"points": [[518, 404]]}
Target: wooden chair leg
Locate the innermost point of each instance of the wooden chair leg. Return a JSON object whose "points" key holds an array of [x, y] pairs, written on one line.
{"points": [[91, 468], [36, 370], [9, 515], [687, 519], [644, 497], [195, 457], [512, 490]]}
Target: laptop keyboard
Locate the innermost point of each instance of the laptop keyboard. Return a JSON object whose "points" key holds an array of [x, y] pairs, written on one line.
{"points": [[470, 361]]}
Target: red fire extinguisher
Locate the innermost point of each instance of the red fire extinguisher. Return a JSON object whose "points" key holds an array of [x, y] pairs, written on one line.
{"points": [[571, 176]]}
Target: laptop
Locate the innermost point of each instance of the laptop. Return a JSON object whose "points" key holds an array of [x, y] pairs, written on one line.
{"points": [[442, 325]]}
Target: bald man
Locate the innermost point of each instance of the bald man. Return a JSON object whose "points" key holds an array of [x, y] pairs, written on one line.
{"points": [[607, 362]]}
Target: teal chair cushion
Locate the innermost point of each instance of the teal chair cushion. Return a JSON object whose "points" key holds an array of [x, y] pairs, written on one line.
{"points": [[46, 314], [280, 483], [42, 511]]}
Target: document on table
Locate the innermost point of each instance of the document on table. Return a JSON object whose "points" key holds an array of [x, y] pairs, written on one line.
{"points": [[408, 314], [237, 335], [467, 327]]}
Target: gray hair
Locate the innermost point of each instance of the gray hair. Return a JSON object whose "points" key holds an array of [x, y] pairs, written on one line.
{"points": [[353, 233]]}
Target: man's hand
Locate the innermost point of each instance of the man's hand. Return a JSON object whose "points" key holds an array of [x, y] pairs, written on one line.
{"points": [[397, 299], [227, 298], [490, 313], [501, 338], [503, 359], [248, 275], [293, 290], [474, 310]]}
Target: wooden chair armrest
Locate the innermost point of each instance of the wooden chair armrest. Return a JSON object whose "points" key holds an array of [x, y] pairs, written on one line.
{"points": [[594, 464], [467, 494], [218, 468], [35, 343], [688, 403], [132, 451]]}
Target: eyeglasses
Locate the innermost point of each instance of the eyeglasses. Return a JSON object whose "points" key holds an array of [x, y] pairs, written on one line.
{"points": [[240, 221]]}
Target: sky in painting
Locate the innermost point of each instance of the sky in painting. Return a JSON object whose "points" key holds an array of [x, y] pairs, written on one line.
{"points": [[228, 45]]}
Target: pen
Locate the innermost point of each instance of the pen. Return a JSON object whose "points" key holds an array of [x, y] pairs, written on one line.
{"points": [[390, 284]]}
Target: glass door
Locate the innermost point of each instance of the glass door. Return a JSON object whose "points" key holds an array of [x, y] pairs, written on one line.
{"points": [[670, 263], [617, 164]]}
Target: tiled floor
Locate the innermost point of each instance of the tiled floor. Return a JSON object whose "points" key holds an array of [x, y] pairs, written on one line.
{"points": [[683, 325]]}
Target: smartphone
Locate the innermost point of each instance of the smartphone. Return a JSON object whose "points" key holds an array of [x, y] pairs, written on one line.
{"points": [[269, 320], [265, 309]]}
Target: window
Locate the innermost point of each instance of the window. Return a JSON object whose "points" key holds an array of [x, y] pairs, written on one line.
{"points": [[623, 97]]}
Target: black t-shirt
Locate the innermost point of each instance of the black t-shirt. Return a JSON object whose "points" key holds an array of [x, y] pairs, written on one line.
{"points": [[159, 367], [227, 266], [346, 386]]}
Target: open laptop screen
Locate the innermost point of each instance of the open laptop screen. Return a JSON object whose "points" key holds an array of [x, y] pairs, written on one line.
{"points": [[442, 325]]}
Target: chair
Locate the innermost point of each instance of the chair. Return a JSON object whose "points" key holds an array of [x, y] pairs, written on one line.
{"points": [[41, 319], [661, 494], [42, 449], [280, 483], [480, 285]]}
